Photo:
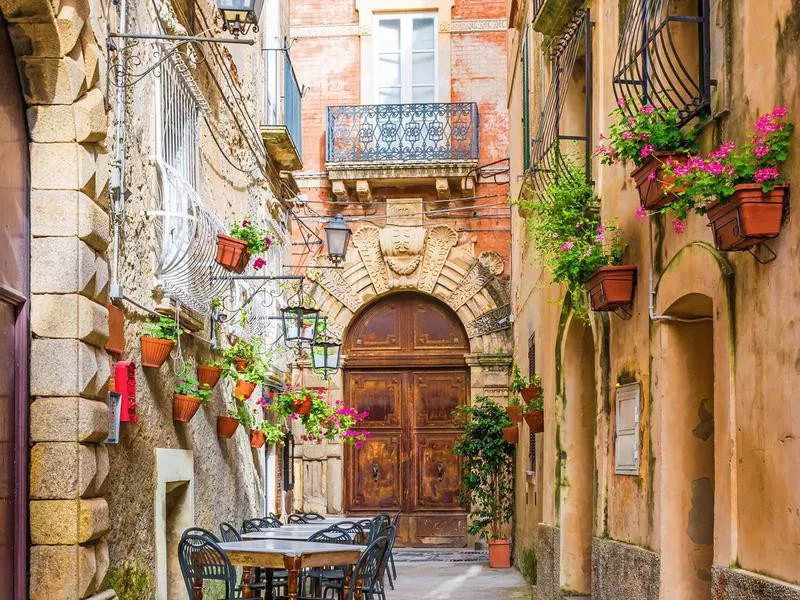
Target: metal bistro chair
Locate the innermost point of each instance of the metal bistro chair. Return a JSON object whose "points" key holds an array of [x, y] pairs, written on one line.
{"points": [[201, 559], [270, 522], [354, 530], [297, 518], [393, 573], [261, 578], [366, 582], [313, 516], [228, 533], [328, 579]]}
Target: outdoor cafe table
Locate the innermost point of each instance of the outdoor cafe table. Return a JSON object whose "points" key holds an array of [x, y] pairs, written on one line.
{"points": [[283, 533], [289, 555]]}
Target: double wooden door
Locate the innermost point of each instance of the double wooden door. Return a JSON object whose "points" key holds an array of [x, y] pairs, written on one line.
{"points": [[410, 394]]}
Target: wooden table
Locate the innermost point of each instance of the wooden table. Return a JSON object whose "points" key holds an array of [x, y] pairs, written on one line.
{"points": [[289, 555]]}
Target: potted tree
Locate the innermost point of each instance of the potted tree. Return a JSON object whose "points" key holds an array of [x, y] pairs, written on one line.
{"points": [[533, 411], [157, 340], [646, 136], [188, 397], [234, 250], [487, 475], [742, 191]]}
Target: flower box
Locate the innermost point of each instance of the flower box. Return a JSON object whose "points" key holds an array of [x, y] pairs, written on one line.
{"points": [[649, 179], [232, 253], [535, 420], [749, 217], [514, 413], [511, 434], [155, 351], [226, 426], [184, 407], [257, 438], [611, 287], [208, 376], [244, 389]]}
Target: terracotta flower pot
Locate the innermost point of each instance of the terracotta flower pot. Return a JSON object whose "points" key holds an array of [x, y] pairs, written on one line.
{"points": [[511, 434], [243, 389], [155, 351], [208, 376], [514, 413], [232, 253], [749, 217], [184, 407], [651, 187], [611, 287], [529, 393], [240, 364], [226, 426], [302, 407], [257, 438], [535, 420], [499, 554]]}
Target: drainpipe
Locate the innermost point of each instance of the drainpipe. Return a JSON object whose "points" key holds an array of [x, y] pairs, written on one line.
{"points": [[652, 299], [117, 182]]}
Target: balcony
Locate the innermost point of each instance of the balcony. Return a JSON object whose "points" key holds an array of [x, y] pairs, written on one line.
{"points": [[281, 128], [402, 145]]}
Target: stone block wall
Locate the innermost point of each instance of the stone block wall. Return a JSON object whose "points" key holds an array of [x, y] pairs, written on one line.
{"points": [[622, 570], [57, 57], [548, 569]]}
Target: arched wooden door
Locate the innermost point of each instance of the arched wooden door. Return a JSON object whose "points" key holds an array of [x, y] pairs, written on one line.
{"points": [[406, 367], [14, 271]]}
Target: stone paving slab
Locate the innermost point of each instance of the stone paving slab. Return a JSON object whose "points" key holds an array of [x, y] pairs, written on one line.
{"points": [[429, 574]]}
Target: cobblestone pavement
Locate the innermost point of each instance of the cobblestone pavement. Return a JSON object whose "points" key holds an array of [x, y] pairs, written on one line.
{"points": [[453, 574]]}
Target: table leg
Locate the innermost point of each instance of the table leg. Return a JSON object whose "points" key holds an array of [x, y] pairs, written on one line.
{"points": [[292, 565], [247, 576], [197, 589], [269, 578]]}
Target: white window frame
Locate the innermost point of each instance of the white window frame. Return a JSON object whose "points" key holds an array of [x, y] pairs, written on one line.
{"points": [[627, 432], [272, 62], [406, 53]]}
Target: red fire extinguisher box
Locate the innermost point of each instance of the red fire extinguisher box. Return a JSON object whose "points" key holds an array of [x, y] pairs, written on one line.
{"points": [[125, 383]]}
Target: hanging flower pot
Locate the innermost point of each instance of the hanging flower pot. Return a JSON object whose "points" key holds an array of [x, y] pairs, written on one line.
{"points": [[184, 407], [530, 392], [226, 426], [650, 180], [303, 407], [257, 438], [208, 376], [244, 389], [749, 217], [232, 253], [514, 413], [240, 364], [511, 434], [155, 351], [535, 420], [499, 554], [611, 287]]}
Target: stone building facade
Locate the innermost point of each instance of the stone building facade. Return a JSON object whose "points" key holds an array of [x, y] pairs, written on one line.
{"points": [[429, 223], [704, 502], [114, 218]]}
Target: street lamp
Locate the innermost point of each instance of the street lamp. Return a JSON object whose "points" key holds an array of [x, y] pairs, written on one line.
{"points": [[326, 352], [299, 323], [338, 235], [239, 15]]}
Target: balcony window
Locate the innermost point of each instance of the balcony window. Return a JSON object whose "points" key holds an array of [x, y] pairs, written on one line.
{"points": [[406, 58]]}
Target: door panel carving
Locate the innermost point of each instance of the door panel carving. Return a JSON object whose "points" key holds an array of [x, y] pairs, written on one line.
{"points": [[406, 368]]}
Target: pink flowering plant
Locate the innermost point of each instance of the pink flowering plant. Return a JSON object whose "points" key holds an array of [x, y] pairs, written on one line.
{"points": [[701, 181], [258, 239], [639, 131], [568, 235]]}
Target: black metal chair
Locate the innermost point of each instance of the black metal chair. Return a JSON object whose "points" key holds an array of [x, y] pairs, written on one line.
{"points": [[229, 533], [313, 516], [251, 525], [366, 581], [270, 522], [379, 526], [354, 530], [329, 579], [395, 524], [261, 578], [201, 559], [297, 518]]}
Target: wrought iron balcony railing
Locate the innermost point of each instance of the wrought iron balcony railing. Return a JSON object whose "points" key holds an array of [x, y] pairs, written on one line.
{"points": [[282, 126], [403, 133]]}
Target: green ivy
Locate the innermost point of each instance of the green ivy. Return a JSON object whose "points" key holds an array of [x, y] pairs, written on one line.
{"points": [[131, 581]]}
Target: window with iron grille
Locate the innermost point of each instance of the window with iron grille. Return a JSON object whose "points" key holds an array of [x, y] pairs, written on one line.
{"points": [[531, 373]]}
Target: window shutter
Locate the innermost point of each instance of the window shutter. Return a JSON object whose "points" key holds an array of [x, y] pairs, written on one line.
{"points": [[627, 438]]}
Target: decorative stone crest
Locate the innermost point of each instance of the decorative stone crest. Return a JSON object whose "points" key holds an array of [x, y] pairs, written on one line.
{"points": [[437, 248], [367, 240], [335, 284], [403, 239], [488, 266], [495, 320]]}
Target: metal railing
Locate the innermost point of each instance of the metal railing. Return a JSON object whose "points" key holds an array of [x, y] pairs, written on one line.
{"points": [[664, 57], [403, 132], [282, 95]]}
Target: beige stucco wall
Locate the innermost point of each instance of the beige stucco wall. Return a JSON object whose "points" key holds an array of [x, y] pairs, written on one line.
{"points": [[756, 496]]}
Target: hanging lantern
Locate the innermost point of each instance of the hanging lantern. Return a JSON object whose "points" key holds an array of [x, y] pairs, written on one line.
{"points": [[326, 353], [239, 15], [337, 234], [299, 323]]}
